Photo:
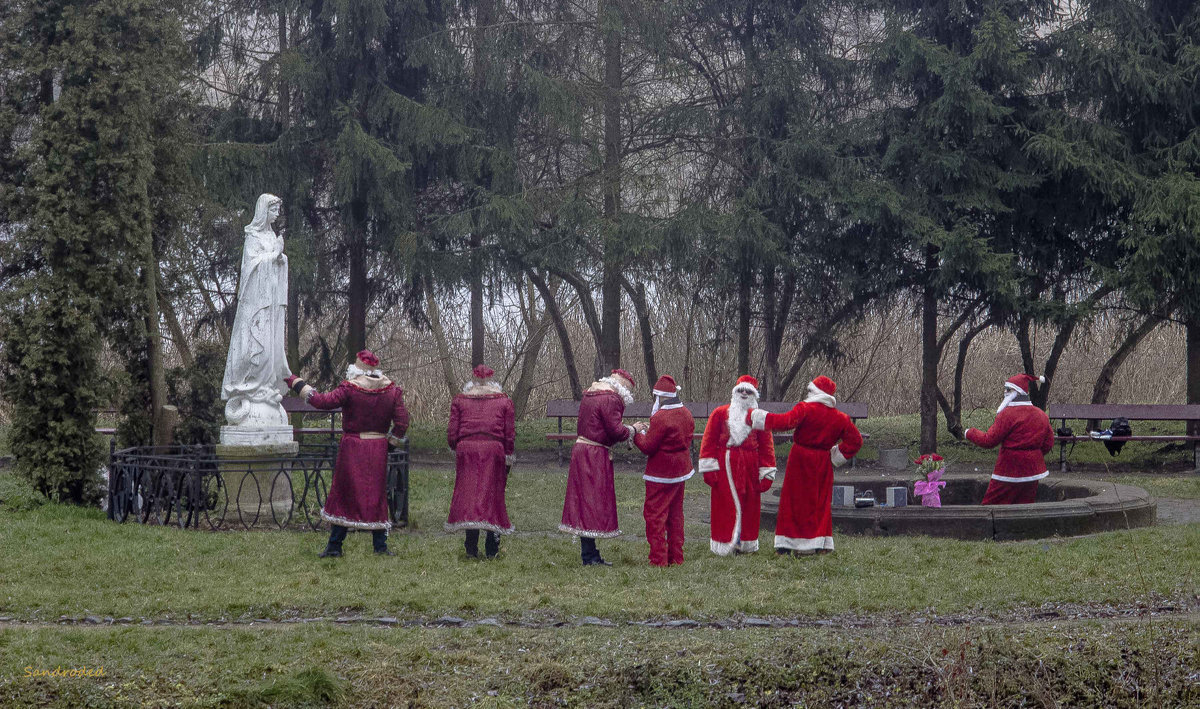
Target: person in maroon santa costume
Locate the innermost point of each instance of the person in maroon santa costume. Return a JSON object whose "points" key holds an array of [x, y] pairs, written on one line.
{"points": [[371, 404], [1025, 436], [667, 440], [481, 434], [590, 507], [823, 437], [738, 463]]}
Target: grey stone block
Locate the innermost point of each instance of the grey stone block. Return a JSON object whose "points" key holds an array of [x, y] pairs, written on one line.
{"points": [[893, 458], [897, 497], [843, 495]]}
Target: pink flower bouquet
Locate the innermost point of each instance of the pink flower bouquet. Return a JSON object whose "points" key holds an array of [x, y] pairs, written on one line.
{"points": [[932, 467]]}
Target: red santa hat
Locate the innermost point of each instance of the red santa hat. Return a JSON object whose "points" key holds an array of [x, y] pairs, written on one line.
{"points": [[626, 376], [825, 384], [1020, 383], [747, 382], [367, 359], [482, 372], [665, 386]]}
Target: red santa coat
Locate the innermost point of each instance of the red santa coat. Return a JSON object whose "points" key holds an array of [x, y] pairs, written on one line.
{"points": [[590, 505], [668, 444], [1025, 436], [738, 475], [482, 436], [357, 495], [805, 521]]}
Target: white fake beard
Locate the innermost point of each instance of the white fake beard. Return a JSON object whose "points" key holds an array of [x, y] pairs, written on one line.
{"points": [[1009, 396], [739, 430], [657, 405], [624, 393]]}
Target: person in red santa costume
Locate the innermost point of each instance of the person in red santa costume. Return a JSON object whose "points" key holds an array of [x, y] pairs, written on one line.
{"points": [[738, 463], [667, 440], [371, 404], [590, 506], [1025, 436], [824, 437], [481, 434]]}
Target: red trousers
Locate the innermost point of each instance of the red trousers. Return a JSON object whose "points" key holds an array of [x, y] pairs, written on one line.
{"points": [[1002, 493], [664, 522]]}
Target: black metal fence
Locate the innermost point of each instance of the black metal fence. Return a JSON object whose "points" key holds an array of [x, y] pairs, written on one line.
{"points": [[190, 486]]}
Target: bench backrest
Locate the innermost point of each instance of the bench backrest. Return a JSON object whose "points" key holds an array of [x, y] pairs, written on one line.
{"points": [[1135, 412], [568, 408]]}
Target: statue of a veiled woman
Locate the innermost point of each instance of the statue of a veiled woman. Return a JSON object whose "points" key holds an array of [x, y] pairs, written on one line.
{"points": [[257, 363]]}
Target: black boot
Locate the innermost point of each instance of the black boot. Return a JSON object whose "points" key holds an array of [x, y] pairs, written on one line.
{"points": [[492, 545], [379, 541], [472, 543], [337, 535], [590, 554]]}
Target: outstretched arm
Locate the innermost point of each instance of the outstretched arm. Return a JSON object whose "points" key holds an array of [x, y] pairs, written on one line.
{"points": [[761, 420], [994, 436]]}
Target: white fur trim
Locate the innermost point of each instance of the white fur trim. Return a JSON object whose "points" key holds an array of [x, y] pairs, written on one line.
{"points": [[707, 465], [820, 397], [802, 544], [306, 392], [353, 524], [487, 526], [353, 370], [669, 481], [667, 394], [767, 473], [758, 417], [720, 548], [735, 421], [509, 460], [625, 394], [1031, 478], [1041, 379], [492, 387], [737, 504], [836, 457], [668, 407], [589, 533]]}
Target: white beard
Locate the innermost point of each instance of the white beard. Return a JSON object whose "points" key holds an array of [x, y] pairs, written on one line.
{"points": [[624, 393], [739, 430], [353, 370]]}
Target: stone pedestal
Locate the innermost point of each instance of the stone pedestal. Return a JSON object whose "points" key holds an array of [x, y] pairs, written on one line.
{"points": [[256, 436], [258, 492]]}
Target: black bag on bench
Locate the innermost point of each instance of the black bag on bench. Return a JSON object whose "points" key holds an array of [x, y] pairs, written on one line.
{"points": [[1119, 427]]}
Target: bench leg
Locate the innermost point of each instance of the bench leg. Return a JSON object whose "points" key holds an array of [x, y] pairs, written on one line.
{"points": [[1195, 457], [1062, 457]]}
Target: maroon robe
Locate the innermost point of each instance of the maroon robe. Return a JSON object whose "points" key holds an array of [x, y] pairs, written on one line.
{"points": [[370, 406], [590, 507], [481, 434]]}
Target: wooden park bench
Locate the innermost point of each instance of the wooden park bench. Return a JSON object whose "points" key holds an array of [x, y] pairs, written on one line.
{"points": [[1133, 412], [569, 409], [296, 405]]}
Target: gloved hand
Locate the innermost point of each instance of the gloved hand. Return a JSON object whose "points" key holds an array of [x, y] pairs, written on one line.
{"points": [[289, 380]]}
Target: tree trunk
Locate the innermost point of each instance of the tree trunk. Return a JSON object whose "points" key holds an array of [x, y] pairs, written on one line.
{"points": [[1108, 372], [476, 299], [1193, 371], [929, 354], [179, 339], [771, 342], [953, 411], [564, 338], [161, 431], [609, 354], [439, 338], [745, 284], [533, 349], [356, 335], [637, 294]]}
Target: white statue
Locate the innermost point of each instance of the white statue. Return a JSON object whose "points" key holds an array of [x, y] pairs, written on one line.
{"points": [[257, 361]]}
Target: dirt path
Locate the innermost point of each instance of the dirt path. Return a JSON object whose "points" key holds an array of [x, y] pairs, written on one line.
{"points": [[1182, 609]]}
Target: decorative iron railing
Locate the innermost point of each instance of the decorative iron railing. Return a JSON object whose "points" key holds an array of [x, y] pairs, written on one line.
{"points": [[190, 486]]}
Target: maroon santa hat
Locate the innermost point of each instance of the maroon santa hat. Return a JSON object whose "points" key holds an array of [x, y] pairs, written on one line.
{"points": [[627, 376], [825, 384], [367, 358], [747, 382], [482, 372], [665, 386], [1020, 383]]}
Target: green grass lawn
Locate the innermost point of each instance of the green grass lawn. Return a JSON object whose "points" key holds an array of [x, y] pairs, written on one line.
{"points": [[143, 571], [1078, 664]]}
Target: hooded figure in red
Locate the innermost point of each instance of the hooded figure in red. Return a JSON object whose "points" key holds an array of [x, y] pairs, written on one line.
{"points": [[739, 465], [667, 442], [1025, 436], [590, 505], [371, 404], [481, 433], [824, 437]]}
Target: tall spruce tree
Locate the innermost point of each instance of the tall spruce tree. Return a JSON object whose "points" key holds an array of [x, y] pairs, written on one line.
{"points": [[82, 220]]}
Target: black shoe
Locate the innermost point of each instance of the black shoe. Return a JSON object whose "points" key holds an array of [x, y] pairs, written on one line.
{"points": [[597, 562], [783, 552], [329, 553], [384, 552]]}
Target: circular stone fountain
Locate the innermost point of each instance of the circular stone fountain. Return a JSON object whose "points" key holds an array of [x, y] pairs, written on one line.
{"points": [[1064, 507]]}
